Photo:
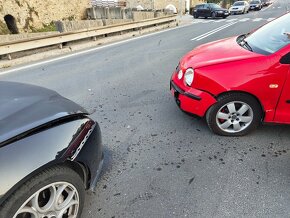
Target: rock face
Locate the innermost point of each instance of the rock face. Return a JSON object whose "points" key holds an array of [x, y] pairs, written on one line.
{"points": [[35, 14]]}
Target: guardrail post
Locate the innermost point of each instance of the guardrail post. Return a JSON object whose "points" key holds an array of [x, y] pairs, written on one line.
{"points": [[9, 57], [60, 46]]}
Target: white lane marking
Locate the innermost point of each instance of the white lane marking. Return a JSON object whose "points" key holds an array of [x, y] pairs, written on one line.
{"points": [[270, 19], [195, 21], [231, 20], [244, 19], [218, 21], [209, 32], [198, 21], [257, 19], [203, 21], [208, 21], [86, 51], [213, 31]]}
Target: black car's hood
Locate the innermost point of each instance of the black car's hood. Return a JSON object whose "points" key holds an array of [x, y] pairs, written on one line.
{"points": [[24, 107]]}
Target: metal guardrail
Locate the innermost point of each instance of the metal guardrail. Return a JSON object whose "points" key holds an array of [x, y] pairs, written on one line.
{"points": [[39, 42]]}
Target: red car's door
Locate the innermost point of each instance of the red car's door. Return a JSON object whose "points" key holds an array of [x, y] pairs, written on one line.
{"points": [[283, 108]]}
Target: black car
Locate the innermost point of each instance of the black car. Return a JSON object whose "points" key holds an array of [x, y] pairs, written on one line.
{"points": [[50, 152], [210, 10], [256, 5], [265, 2]]}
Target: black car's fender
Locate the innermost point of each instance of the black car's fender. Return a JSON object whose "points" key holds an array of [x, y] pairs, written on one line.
{"points": [[52, 145]]}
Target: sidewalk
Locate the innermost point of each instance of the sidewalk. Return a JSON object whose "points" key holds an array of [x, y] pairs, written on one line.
{"points": [[185, 19]]}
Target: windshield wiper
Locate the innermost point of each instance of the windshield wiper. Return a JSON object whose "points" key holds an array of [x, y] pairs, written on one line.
{"points": [[244, 43]]}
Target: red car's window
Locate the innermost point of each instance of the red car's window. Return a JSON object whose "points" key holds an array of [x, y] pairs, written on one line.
{"points": [[271, 37]]}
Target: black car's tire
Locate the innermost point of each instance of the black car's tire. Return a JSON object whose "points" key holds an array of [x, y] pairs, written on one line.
{"points": [[195, 16], [213, 14], [224, 17], [47, 183], [234, 114]]}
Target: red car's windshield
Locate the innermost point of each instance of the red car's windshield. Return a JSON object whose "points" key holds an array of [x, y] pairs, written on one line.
{"points": [[271, 37]]}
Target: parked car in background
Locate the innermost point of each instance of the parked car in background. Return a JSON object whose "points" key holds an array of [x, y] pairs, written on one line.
{"points": [[256, 5], [50, 152], [239, 7], [239, 82], [266, 2], [210, 10]]}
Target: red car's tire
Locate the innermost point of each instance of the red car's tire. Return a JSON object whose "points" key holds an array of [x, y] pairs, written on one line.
{"points": [[234, 114]]}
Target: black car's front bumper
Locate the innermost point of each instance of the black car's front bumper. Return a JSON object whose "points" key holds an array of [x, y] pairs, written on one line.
{"points": [[92, 156]]}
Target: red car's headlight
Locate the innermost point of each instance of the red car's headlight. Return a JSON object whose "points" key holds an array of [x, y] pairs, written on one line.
{"points": [[189, 76]]}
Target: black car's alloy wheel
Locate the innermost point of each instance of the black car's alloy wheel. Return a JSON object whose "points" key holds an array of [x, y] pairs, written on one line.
{"points": [[57, 192], [235, 114]]}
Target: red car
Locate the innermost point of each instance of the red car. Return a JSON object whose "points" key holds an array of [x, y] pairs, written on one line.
{"points": [[239, 82]]}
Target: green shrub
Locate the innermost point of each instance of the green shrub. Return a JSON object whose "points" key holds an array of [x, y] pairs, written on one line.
{"points": [[46, 28]]}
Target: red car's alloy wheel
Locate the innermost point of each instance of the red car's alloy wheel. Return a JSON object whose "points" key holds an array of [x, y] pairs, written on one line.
{"points": [[235, 114]]}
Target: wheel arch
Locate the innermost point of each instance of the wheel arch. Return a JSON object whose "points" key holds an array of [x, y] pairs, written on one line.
{"points": [[80, 168], [246, 93]]}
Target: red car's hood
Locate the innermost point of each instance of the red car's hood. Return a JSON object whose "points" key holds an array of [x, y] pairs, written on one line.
{"points": [[225, 50]]}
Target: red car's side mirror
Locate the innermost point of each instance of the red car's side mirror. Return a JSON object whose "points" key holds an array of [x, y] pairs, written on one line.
{"points": [[285, 59]]}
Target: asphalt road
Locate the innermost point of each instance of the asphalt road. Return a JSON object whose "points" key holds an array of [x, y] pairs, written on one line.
{"points": [[159, 162]]}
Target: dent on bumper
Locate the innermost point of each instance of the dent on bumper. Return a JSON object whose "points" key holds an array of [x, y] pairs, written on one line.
{"points": [[193, 101]]}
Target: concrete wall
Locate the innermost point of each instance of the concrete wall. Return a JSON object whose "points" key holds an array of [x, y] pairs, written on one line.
{"points": [[117, 13], [31, 14], [106, 13], [105, 18], [156, 4], [68, 26], [142, 15]]}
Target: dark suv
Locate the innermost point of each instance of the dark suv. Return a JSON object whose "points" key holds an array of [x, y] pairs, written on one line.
{"points": [[209, 10], [256, 5]]}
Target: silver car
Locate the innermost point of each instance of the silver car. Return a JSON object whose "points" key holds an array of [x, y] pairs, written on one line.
{"points": [[240, 7]]}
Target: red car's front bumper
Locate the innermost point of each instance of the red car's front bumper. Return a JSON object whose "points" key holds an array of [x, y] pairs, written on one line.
{"points": [[192, 100]]}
